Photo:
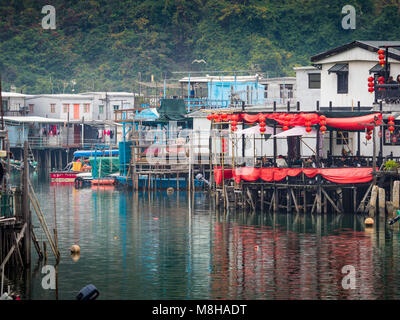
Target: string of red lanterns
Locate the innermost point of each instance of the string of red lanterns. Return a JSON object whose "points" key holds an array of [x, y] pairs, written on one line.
{"points": [[381, 53], [322, 123], [371, 84], [391, 123]]}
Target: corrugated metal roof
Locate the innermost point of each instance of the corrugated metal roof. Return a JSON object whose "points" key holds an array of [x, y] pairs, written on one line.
{"points": [[339, 67]]}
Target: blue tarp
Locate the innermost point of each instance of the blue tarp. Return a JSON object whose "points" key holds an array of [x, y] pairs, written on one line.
{"points": [[92, 153]]}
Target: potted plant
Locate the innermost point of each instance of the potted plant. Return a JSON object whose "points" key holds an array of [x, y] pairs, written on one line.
{"points": [[391, 165]]}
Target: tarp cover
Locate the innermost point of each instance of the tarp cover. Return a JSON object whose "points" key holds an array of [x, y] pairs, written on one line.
{"points": [[90, 153], [103, 166], [336, 175], [172, 110]]}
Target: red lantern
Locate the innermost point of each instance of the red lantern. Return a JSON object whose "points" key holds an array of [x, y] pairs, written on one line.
{"points": [[381, 57], [308, 123], [322, 117], [391, 129], [381, 51], [371, 90], [370, 84], [391, 118], [261, 118], [233, 123], [262, 124], [368, 137], [209, 116], [322, 122], [308, 129], [262, 130], [382, 62], [284, 128], [233, 128], [381, 79], [323, 128], [224, 116], [235, 117], [370, 79]]}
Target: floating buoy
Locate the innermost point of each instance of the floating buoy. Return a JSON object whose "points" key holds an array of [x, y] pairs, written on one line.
{"points": [[170, 190], [369, 222], [75, 249]]}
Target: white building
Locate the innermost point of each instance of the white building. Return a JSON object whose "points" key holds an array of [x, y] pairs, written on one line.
{"points": [[345, 71], [105, 103], [308, 87], [280, 90], [14, 103]]}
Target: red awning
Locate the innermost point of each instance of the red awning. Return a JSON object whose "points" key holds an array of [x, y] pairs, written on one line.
{"points": [[336, 175]]}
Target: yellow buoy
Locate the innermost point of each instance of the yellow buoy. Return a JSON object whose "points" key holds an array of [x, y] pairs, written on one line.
{"points": [[75, 249], [369, 222]]}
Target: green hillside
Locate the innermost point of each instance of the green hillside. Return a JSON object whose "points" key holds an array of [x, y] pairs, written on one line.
{"points": [[104, 45]]}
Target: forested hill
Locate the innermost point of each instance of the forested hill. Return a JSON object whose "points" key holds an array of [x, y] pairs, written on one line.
{"points": [[104, 44]]}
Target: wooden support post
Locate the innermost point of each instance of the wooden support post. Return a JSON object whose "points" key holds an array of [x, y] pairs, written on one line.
{"points": [[372, 203], [305, 200], [319, 200], [294, 201], [382, 202], [26, 208], [330, 200], [262, 199], [396, 197]]}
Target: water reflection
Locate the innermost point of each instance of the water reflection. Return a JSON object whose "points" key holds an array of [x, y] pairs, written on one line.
{"points": [[160, 246]]}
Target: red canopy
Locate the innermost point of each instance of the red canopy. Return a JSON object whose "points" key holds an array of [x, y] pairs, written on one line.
{"points": [[300, 119], [336, 175]]}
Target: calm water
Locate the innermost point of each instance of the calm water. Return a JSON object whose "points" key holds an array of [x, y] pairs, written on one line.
{"points": [[154, 246]]}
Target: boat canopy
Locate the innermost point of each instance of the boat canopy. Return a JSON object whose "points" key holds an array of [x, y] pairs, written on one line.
{"points": [[92, 153]]}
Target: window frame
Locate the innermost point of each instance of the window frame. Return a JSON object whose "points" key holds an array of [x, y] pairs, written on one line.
{"points": [[343, 88], [314, 81], [52, 108]]}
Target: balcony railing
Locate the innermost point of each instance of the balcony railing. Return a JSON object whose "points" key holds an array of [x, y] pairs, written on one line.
{"points": [[390, 93]]}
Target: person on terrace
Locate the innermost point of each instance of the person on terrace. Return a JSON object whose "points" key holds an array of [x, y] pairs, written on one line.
{"points": [[281, 162]]}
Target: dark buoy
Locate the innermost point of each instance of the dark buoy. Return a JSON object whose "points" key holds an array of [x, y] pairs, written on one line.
{"points": [[89, 292]]}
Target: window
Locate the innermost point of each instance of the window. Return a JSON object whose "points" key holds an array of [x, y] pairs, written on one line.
{"points": [[31, 108], [86, 107], [65, 107], [266, 91], [342, 82], [314, 81], [52, 108], [342, 137], [286, 91], [116, 107], [101, 109]]}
